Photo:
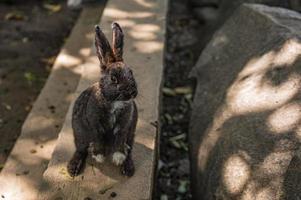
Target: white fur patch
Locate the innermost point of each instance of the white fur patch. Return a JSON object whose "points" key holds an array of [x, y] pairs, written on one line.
{"points": [[118, 158], [99, 158], [117, 105]]}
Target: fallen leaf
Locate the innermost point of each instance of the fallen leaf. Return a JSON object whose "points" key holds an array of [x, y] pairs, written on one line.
{"points": [[183, 186], [25, 40], [168, 118], [30, 77], [33, 151], [52, 7], [169, 92], [7, 106], [15, 15], [183, 90], [49, 60], [178, 137], [63, 171], [175, 143], [27, 108], [164, 197]]}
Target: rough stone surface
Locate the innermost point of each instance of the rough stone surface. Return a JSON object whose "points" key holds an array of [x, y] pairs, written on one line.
{"points": [[246, 121], [21, 176], [221, 10], [143, 23]]}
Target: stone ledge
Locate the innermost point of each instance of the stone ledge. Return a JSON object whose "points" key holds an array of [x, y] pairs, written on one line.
{"points": [[144, 27]]}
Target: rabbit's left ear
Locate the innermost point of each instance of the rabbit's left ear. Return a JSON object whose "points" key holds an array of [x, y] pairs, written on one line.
{"points": [[117, 41]]}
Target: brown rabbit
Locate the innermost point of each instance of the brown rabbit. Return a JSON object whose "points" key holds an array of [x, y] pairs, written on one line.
{"points": [[105, 115]]}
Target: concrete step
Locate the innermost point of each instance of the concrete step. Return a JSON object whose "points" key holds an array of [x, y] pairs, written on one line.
{"points": [[143, 23], [21, 176]]}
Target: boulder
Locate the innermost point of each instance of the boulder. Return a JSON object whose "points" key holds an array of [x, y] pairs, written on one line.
{"points": [[213, 13], [245, 129]]}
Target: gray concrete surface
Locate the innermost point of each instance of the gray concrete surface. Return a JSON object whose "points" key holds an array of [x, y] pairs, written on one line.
{"points": [[143, 23], [21, 176], [246, 121]]}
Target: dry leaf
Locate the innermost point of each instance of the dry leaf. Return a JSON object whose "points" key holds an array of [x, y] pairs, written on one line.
{"points": [[52, 7], [7, 107], [168, 91], [33, 151], [49, 60], [15, 15], [183, 90]]}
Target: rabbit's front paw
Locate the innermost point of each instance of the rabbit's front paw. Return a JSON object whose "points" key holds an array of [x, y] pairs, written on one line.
{"points": [[128, 168], [75, 166], [118, 158]]}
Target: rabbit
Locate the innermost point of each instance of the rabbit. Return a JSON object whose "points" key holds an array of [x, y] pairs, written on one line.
{"points": [[105, 115]]}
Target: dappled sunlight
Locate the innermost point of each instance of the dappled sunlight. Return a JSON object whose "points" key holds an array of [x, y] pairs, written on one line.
{"points": [[209, 140], [251, 92], [275, 164], [127, 23], [144, 32], [145, 3], [236, 173], [66, 59], [148, 46], [42, 120], [260, 115], [143, 138], [270, 172], [288, 54], [251, 96], [263, 193], [285, 119], [220, 40], [85, 52], [117, 13], [18, 187]]}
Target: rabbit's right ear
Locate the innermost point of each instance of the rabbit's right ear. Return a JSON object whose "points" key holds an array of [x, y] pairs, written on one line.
{"points": [[103, 48], [117, 41]]}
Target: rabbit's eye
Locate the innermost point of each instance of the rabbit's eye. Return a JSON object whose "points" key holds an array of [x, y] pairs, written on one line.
{"points": [[114, 79]]}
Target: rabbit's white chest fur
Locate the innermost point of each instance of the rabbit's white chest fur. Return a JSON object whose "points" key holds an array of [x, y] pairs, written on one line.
{"points": [[116, 108], [118, 105]]}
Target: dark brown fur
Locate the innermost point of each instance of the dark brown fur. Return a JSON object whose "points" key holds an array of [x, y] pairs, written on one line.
{"points": [[105, 115]]}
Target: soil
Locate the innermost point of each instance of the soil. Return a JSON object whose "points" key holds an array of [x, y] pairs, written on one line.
{"points": [[183, 47], [31, 36]]}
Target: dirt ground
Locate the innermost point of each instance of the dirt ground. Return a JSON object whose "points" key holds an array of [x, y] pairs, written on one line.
{"points": [[183, 49], [31, 35]]}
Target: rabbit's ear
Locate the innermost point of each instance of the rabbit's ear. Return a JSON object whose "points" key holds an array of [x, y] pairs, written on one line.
{"points": [[117, 41], [103, 48]]}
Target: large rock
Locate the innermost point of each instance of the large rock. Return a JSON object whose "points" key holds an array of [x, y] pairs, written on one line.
{"points": [[246, 122], [214, 13]]}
